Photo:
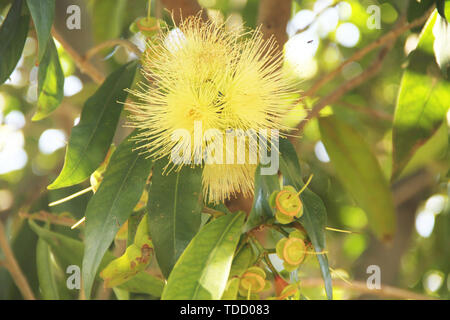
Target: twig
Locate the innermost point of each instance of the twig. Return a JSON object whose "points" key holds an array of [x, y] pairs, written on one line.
{"points": [[318, 14], [212, 212], [347, 86], [269, 263], [111, 43], [361, 287], [368, 111], [49, 217], [84, 65], [13, 267], [391, 35]]}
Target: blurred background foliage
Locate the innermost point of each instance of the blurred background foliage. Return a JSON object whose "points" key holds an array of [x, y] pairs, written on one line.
{"points": [[322, 34]]}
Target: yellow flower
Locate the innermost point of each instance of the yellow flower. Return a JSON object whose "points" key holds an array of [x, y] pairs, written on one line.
{"points": [[203, 75]]}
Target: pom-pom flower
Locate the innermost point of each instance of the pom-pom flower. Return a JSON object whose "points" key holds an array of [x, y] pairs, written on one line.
{"points": [[204, 77]]}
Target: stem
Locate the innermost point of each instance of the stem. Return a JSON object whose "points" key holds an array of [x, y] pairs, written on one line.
{"points": [[269, 263], [76, 194], [212, 212], [111, 43], [48, 217], [361, 287], [149, 9], [82, 64], [280, 230], [347, 86], [13, 267], [391, 35]]}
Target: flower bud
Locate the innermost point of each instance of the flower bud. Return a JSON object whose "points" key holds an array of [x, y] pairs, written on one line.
{"points": [[287, 204], [292, 250]]}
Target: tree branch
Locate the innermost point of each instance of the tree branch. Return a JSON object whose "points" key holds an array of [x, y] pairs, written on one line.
{"points": [[112, 43], [13, 267], [48, 217], [391, 35], [181, 9], [347, 86], [82, 64], [273, 16], [361, 287]]}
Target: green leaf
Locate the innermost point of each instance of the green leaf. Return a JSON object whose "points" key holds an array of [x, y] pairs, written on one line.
{"points": [[42, 12], [202, 271], [441, 46], [91, 138], [314, 216], [360, 173], [107, 19], [232, 289], [135, 259], [440, 5], [174, 207], [242, 261], [69, 251], [422, 102], [47, 281], [144, 283], [13, 34], [50, 83], [418, 8], [112, 204], [265, 185]]}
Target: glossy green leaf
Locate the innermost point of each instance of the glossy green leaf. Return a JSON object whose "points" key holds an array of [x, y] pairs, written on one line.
{"points": [[69, 251], [440, 5], [112, 204], [242, 261], [417, 8], [107, 18], [42, 12], [265, 185], [422, 102], [174, 208], [13, 33], [360, 173], [91, 138], [144, 283], [314, 216], [202, 271], [50, 83], [47, 281], [441, 45], [135, 259], [232, 289]]}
